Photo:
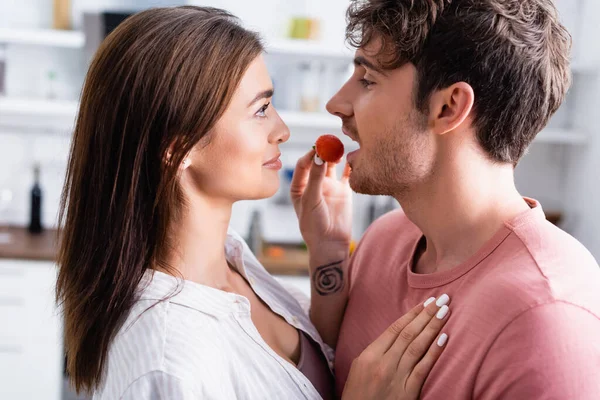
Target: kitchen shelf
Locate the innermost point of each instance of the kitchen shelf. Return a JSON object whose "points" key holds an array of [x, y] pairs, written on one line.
{"points": [[43, 37], [311, 120], [308, 49], [37, 114]]}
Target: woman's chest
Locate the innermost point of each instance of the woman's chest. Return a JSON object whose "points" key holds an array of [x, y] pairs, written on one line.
{"points": [[282, 337], [250, 368]]}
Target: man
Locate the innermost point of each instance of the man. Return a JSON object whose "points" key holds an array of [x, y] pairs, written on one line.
{"points": [[445, 98]]}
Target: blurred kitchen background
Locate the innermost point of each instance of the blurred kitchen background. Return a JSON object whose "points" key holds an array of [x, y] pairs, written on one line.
{"points": [[45, 47]]}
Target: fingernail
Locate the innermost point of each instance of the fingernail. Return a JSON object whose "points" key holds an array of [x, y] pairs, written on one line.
{"points": [[442, 312], [442, 340], [318, 160], [429, 301], [443, 300]]}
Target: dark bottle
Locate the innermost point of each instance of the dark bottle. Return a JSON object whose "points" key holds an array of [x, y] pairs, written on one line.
{"points": [[35, 221], [255, 240]]}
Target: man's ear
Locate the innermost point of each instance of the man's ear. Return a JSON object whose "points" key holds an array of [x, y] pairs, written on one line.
{"points": [[450, 107]]}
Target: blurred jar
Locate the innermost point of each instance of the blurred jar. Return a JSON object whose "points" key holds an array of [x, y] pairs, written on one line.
{"points": [[61, 14], [309, 73], [283, 197], [304, 22], [305, 28], [51, 85], [6, 196], [2, 69]]}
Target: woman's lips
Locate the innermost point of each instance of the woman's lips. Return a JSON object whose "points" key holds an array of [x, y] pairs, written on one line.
{"points": [[274, 163]]}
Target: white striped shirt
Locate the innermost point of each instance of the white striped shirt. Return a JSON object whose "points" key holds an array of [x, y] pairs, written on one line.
{"points": [[201, 343]]}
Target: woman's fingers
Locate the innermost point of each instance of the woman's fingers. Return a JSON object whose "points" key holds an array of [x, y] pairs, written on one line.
{"points": [[306, 182], [409, 347], [331, 170], [417, 349], [346, 173], [421, 371], [398, 362], [301, 172], [383, 343], [300, 179]]}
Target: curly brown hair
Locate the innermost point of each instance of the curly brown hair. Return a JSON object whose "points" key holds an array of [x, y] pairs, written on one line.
{"points": [[514, 53]]}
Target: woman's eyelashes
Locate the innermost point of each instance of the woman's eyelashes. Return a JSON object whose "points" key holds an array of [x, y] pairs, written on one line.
{"points": [[262, 112]]}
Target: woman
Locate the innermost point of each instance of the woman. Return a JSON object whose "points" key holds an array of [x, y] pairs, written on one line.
{"points": [[175, 126]]}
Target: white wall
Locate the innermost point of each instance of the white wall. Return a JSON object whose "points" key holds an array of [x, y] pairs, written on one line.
{"points": [[582, 186], [582, 176]]}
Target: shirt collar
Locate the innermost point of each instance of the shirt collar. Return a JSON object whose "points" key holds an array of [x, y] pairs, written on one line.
{"points": [[156, 285]]}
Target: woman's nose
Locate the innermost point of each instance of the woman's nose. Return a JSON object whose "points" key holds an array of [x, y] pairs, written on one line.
{"points": [[281, 131]]}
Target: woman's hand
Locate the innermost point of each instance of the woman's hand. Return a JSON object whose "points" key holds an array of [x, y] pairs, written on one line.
{"points": [[323, 204], [396, 365]]}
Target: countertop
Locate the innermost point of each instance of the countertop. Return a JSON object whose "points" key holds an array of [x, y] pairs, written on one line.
{"points": [[18, 243]]}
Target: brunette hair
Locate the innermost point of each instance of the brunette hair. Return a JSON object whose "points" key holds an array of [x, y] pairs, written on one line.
{"points": [[158, 83], [514, 53]]}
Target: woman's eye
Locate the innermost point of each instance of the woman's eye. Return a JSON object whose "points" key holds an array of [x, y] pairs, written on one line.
{"points": [[366, 83], [263, 110]]}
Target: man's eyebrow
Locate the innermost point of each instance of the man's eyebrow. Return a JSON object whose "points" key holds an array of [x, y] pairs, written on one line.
{"points": [[362, 61], [262, 95]]}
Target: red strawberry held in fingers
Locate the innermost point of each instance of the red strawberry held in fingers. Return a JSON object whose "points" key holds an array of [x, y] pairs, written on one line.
{"points": [[329, 148]]}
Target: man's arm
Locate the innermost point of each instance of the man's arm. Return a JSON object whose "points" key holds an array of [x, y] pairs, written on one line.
{"points": [[551, 351]]}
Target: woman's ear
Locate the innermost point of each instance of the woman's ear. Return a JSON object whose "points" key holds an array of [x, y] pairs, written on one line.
{"points": [[185, 164]]}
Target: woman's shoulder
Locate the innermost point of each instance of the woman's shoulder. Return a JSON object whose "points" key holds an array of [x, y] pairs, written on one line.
{"points": [[159, 340]]}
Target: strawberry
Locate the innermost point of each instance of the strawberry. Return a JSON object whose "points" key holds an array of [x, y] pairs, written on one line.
{"points": [[329, 148]]}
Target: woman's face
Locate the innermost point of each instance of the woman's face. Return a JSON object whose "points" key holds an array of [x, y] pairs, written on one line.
{"points": [[241, 160]]}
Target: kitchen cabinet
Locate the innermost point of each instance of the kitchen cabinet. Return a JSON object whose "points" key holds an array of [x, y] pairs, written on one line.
{"points": [[31, 349]]}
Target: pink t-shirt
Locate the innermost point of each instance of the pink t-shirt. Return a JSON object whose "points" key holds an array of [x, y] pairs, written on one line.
{"points": [[525, 320]]}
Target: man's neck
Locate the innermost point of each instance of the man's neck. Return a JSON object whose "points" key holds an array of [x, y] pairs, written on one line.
{"points": [[459, 210]]}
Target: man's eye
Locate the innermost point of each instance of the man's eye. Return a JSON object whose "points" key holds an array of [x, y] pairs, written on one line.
{"points": [[366, 83]]}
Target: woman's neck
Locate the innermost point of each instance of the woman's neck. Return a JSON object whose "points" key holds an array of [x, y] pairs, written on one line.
{"points": [[199, 242]]}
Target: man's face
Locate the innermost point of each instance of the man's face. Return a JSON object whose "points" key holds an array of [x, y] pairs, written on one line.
{"points": [[378, 111]]}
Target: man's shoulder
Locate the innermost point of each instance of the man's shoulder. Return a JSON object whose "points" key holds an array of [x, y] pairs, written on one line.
{"points": [[539, 264], [549, 350], [544, 239], [560, 260]]}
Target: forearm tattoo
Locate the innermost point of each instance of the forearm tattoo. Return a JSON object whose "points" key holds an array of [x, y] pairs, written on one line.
{"points": [[329, 279]]}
